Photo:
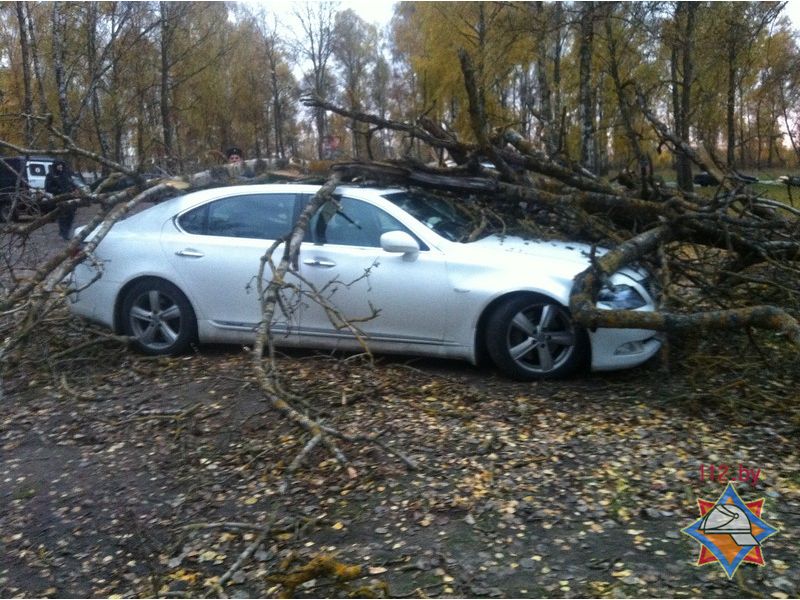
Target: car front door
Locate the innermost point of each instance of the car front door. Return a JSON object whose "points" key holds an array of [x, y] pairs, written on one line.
{"points": [[216, 251], [397, 300]]}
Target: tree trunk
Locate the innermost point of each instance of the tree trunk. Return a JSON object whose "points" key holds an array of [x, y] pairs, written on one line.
{"points": [[277, 113], [34, 49], [601, 136], [730, 105], [165, 103], [59, 72], [27, 99], [550, 136], [558, 112], [683, 54], [91, 47], [588, 158]]}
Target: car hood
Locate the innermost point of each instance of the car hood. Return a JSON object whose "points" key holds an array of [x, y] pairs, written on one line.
{"points": [[565, 252], [557, 259]]}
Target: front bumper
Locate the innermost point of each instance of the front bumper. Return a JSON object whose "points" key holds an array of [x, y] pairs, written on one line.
{"points": [[623, 348]]}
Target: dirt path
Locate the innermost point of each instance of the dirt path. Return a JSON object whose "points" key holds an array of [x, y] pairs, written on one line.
{"points": [[577, 488], [117, 471]]}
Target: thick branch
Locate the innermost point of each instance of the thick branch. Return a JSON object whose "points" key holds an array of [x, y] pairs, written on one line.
{"points": [[587, 284]]}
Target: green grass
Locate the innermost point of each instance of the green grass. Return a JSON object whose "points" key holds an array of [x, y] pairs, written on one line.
{"points": [[777, 191]]}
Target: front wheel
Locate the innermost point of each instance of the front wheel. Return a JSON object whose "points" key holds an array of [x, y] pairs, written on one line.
{"points": [[158, 317], [532, 337]]}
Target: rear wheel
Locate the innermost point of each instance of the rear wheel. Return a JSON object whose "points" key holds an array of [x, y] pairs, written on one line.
{"points": [[158, 317], [532, 337]]}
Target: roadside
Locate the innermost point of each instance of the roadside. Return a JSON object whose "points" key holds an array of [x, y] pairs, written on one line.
{"points": [[115, 473], [130, 476]]}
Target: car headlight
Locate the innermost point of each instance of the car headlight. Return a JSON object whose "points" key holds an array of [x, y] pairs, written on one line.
{"points": [[621, 297]]}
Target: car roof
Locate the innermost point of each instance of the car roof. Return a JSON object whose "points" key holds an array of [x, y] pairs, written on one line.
{"points": [[179, 204], [200, 197], [37, 157]]}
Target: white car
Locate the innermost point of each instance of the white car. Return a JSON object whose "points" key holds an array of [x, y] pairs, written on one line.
{"points": [[184, 270]]}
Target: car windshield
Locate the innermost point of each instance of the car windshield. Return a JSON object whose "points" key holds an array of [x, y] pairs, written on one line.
{"points": [[435, 213]]}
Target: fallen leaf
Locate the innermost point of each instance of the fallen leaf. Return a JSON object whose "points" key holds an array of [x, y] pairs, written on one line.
{"points": [[376, 570], [623, 573]]}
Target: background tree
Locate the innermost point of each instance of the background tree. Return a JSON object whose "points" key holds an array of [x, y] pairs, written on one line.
{"points": [[586, 93], [139, 82], [355, 45], [25, 59], [682, 76], [316, 46]]}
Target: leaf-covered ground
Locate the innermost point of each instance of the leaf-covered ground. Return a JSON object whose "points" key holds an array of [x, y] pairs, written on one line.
{"points": [[126, 476]]}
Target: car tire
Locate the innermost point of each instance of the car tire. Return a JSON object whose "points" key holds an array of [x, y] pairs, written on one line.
{"points": [[158, 318], [532, 337]]}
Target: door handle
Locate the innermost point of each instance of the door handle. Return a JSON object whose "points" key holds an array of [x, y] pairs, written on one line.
{"points": [[319, 262], [189, 253]]}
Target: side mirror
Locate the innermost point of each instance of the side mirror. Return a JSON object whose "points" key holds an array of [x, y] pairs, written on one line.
{"points": [[400, 242]]}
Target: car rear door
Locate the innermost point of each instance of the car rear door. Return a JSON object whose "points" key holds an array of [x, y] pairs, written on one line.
{"points": [[216, 251]]}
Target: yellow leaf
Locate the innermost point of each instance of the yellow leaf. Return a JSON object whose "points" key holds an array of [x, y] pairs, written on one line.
{"points": [[623, 573], [337, 526], [250, 500]]}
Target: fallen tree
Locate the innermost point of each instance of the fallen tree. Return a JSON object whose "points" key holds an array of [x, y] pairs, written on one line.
{"points": [[729, 261]]}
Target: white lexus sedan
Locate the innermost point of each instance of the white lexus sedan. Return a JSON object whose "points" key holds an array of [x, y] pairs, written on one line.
{"points": [[184, 271]]}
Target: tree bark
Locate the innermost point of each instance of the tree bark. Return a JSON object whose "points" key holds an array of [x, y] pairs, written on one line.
{"points": [[27, 98], [165, 99], [549, 125], [59, 52], [586, 97], [683, 55]]}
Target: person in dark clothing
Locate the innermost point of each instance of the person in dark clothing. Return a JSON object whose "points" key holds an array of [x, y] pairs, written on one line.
{"points": [[59, 181], [236, 157], [233, 154]]}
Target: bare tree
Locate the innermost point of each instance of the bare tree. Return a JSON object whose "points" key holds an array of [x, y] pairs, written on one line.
{"points": [[317, 22], [354, 47]]}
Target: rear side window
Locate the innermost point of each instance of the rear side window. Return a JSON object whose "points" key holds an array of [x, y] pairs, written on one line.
{"points": [[257, 216]]}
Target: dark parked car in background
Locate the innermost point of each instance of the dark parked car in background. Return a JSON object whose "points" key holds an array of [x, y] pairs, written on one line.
{"points": [[22, 185], [705, 179]]}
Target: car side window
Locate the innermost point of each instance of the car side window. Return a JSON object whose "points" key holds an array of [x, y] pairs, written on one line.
{"points": [[353, 223], [258, 216]]}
